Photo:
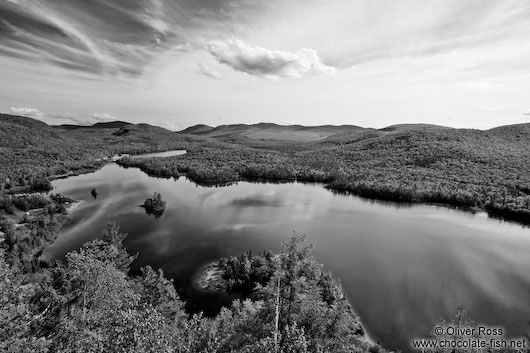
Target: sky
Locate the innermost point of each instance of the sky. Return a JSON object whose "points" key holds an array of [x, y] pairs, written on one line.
{"points": [[177, 63]]}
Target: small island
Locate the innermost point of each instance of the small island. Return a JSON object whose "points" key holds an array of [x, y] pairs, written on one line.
{"points": [[155, 205], [211, 278]]}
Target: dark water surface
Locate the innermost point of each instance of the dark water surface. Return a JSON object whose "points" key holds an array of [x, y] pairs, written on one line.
{"points": [[402, 267]]}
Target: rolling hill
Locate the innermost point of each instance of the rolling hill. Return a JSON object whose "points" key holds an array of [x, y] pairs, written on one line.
{"points": [[30, 147], [101, 125], [270, 132]]}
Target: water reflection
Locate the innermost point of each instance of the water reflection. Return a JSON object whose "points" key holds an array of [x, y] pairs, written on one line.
{"points": [[159, 154], [402, 268]]}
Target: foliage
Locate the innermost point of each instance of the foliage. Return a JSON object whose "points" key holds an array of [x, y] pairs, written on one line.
{"points": [[16, 315], [243, 273], [24, 243], [29, 202], [90, 304]]}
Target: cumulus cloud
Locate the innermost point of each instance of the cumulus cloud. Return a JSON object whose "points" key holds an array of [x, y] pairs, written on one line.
{"points": [[268, 63], [26, 111], [208, 72], [527, 113]]}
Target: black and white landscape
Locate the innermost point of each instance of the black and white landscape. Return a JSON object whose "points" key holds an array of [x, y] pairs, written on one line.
{"points": [[249, 176]]}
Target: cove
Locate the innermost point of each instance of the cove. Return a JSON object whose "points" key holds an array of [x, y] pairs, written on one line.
{"points": [[403, 267]]}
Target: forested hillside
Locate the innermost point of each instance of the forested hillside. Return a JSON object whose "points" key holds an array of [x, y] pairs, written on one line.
{"points": [[483, 170], [269, 131], [31, 149]]}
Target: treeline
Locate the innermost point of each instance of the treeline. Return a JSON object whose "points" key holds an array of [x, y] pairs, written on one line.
{"points": [[227, 163], [469, 168], [23, 242], [89, 303], [151, 166], [487, 171], [23, 237]]}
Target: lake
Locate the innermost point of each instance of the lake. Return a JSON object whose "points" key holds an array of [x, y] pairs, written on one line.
{"points": [[402, 267], [159, 154]]}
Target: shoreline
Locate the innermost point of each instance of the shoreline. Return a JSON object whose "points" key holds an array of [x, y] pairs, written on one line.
{"points": [[506, 215], [209, 278], [74, 205]]}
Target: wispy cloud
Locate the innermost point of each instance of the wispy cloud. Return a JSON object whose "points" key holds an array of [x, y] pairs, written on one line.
{"points": [[208, 72], [267, 63], [99, 37]]}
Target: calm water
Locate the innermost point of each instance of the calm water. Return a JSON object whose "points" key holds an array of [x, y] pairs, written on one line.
{"points": [[159, 154], [403, 268]]}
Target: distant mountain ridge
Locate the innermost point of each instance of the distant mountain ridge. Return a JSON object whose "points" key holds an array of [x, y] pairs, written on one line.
{"points": [[270, 131], [101, 125], [247, 133], [23, 132]]}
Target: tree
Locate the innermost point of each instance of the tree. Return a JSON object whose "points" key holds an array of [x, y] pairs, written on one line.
{"points": [[100, 305], [111, 247], [159, 292], [16, 315], [155, 205]]}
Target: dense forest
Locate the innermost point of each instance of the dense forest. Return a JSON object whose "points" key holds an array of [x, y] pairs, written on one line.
{"points": [[32, 151]]}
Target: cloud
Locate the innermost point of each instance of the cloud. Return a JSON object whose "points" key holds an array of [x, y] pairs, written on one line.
{"points": [[262, 62], [169, 125], [103, 117], [26, 111], [63, 118], [527, 113], [100, 38], [67, 118], [208, 72], [84, 120]]}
